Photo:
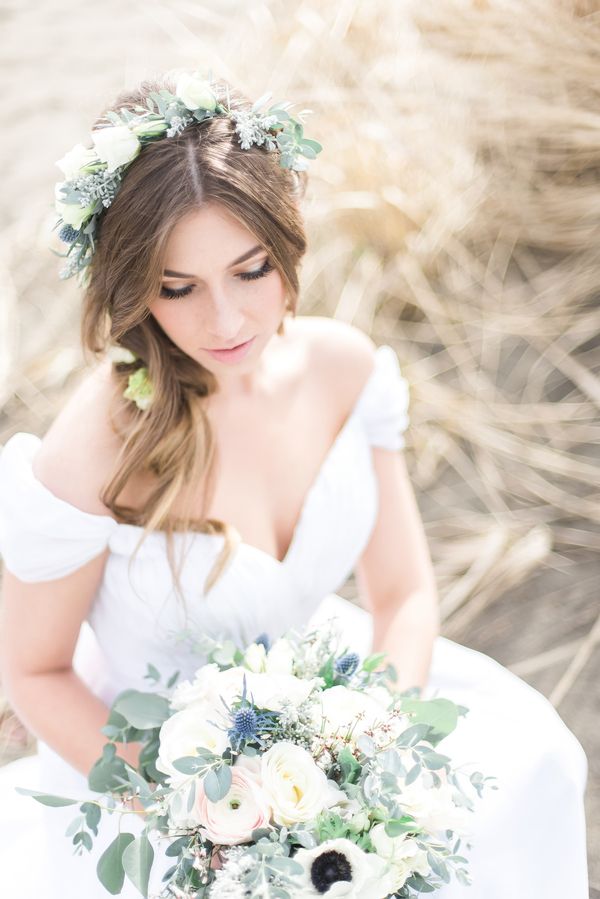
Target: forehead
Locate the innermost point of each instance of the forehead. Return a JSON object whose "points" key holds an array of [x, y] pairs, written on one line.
{"points": [[207, 233]]}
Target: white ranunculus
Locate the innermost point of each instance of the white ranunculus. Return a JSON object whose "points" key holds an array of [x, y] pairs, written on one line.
{"points": [[250, 763], [255, 657], [232, 819], [273, 692], [297, 788], [280, 658], [75, 160], [434, 809], [116, 145], [363, 875], [195, 92], [71, 213], [200, 689], [346, 712], [402, 853], [182, 733]]}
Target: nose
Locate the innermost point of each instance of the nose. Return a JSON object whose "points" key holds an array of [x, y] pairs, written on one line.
{"points": [[223, 321]]}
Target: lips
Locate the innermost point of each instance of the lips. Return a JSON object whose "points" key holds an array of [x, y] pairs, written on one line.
{"points": [[218, 349], [233, 354]]}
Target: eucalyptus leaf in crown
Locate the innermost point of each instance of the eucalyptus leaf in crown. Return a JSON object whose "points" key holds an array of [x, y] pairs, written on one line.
{"points": [[93, 175]]}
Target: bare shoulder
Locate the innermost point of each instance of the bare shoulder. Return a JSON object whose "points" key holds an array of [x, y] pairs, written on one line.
{"points": [[341, 355], [79, 450]]}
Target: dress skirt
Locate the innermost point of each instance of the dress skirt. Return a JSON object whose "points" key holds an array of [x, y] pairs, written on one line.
{"points": [[528, 837]]}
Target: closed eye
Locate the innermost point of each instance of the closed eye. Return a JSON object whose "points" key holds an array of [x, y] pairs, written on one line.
{"points": [[171, 294]]}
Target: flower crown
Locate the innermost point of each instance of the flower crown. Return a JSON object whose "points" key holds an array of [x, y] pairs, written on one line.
{"points": [[93, 175]]}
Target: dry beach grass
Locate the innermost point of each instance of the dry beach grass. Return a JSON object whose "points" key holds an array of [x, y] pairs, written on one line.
{"points": [[454, 213]]}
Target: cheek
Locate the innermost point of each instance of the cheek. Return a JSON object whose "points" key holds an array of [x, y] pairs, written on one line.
{"points": [[172, 318]]}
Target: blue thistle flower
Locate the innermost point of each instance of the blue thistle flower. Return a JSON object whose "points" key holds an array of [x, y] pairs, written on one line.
{"points": [[264, 640], [68, 234], [245, 722], [347, 664]]}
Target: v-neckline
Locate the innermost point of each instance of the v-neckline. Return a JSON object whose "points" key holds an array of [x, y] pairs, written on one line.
{"points": [[311, 490]]}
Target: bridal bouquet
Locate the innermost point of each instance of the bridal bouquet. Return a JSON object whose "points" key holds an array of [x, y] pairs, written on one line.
{"points": [[291, 770]]}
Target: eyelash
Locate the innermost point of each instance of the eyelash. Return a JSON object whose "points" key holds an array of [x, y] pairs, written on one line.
{"points": [[171, 294]]}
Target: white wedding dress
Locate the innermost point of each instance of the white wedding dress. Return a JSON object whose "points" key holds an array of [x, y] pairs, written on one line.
{"points": [[528, 837]]}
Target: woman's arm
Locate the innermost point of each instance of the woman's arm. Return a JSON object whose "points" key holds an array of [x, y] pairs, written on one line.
{"points": [[395, 575], [41, 620], [38, 634]]}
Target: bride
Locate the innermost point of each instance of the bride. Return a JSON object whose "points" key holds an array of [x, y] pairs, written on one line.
{"points": [[224, 467]]}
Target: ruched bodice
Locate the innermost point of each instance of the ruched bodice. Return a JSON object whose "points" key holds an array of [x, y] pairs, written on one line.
{"points": [[42, 537]]}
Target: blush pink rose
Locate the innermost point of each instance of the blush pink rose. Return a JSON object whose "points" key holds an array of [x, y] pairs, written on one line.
{"points": [[232, 819]]}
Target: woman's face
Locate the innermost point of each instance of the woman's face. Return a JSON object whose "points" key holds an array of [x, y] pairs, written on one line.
{"points": [[219, 290]]}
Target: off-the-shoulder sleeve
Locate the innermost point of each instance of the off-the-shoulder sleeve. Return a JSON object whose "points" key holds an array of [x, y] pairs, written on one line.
{"points": [[42, 537], [383, 404]]}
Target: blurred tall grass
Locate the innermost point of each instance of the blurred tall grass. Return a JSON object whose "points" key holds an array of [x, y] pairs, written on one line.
{"points": [[454, 213]]}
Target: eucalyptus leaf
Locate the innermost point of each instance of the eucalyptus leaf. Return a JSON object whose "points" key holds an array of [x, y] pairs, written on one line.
{"points": [[152, 673], [173, 680], [110, 864], [93, 813], [139, 783], [189, 764], [435, 761], [217, 783], [47, 798], [142, 710], [84, 839], [137, 863], [305, 838], [191, 797], [106, 776], [412, 775], [177, 847], [75, 825], [440, 714], [286, 865]]}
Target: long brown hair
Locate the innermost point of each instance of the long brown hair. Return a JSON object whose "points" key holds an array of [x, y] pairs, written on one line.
{"points": [[172, 440]]}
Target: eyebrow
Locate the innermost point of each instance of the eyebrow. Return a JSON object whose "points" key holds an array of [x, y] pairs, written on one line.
{"points": [[169, 273]]}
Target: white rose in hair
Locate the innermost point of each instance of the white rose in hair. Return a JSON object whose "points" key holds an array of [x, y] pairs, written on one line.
{"points": [[403, 853], [341, 868], [232, 819], [195, 92], [297, 788], [75, 160], [116, 145], [71, 213], [182, 733]]}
